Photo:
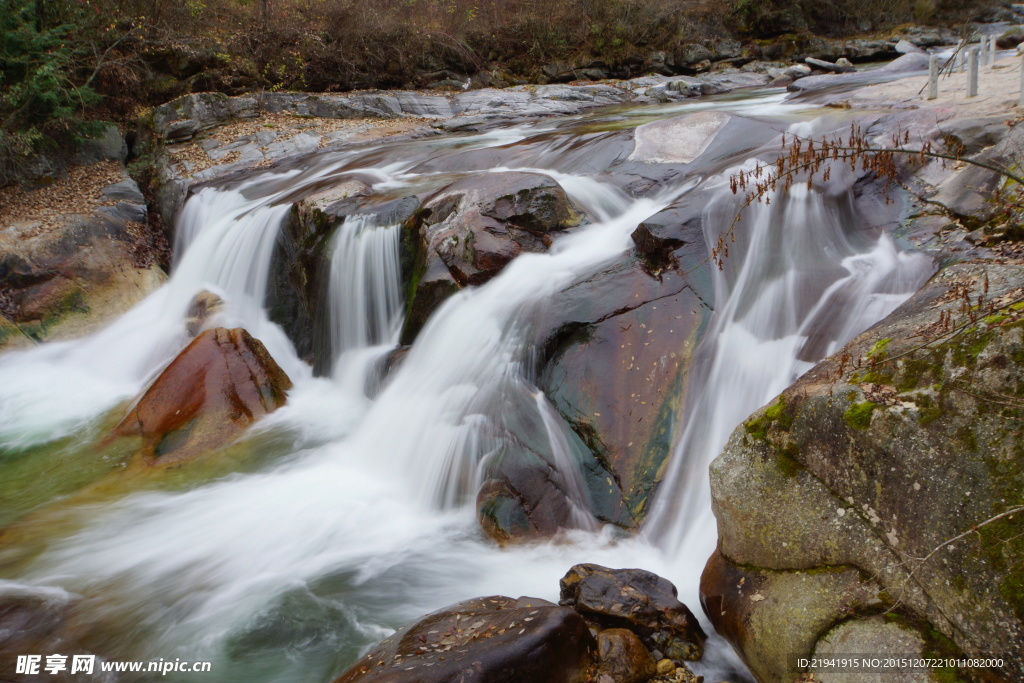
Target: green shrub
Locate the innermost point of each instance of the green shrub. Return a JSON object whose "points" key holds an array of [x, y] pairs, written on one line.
{"points": [[43, 50]]}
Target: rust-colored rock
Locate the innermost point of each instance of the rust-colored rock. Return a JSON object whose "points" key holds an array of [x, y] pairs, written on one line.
{"points": [[484, 640], [218, 385]]}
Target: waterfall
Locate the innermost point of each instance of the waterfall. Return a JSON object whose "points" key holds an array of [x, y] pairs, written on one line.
{"points": [[365, 299], [57, 389], [802, 279], [367, 521]]}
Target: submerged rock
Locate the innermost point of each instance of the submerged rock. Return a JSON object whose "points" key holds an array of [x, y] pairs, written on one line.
{"points": [[484, 640], [219, 385], [638, 600]]}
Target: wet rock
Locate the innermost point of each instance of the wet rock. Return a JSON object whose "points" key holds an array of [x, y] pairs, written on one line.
{"points": [[205, 305], [521, 501], [219, 385], [829, 66], [620, 344], [636, 600], [299, 265], [868, 467], [670, 235], [623, 657], [484, 640], [37, 620], [542, 478], [478, 224], [677, 140]]}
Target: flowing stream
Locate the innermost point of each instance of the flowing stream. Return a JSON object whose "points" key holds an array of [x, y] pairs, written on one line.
{"points": [[362, 518]]}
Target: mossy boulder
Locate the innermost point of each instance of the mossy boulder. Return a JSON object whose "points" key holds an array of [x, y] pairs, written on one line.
{"points": [[899, 456]]}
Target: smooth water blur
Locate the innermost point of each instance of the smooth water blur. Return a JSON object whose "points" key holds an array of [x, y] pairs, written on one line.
{"points": [[288, 573]]}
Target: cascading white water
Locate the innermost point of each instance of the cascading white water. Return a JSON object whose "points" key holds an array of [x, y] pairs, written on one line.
{"points": [[280, 574], [798, 284], [365, 295]]}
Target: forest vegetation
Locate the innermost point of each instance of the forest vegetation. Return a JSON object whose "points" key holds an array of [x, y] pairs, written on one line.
{"points": [[66, 63]]}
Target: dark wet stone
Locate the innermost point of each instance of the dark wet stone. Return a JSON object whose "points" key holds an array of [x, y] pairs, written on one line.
{"points": [[623, 657], [484, 640], [638, 600]]}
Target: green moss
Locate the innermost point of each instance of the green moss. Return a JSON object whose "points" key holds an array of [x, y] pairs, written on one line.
{"points": [[994, 319], [913, 371], [875, 377], [878, 350], [1002, 544], [773, 416], [929, 413], [787, 461], [965, 437], [858, 415]]}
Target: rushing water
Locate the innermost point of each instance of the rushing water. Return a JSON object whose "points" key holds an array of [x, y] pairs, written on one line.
{"points": [[365, 520]]}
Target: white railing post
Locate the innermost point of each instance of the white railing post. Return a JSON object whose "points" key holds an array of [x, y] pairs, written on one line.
{"points": [[933, 77], [972, 73]]}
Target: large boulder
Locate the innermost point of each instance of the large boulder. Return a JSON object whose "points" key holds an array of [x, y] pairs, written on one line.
{"points": [[619, 345], [968, 194], [639, 601], [219, 385], [483, 640], [897, 457]]}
